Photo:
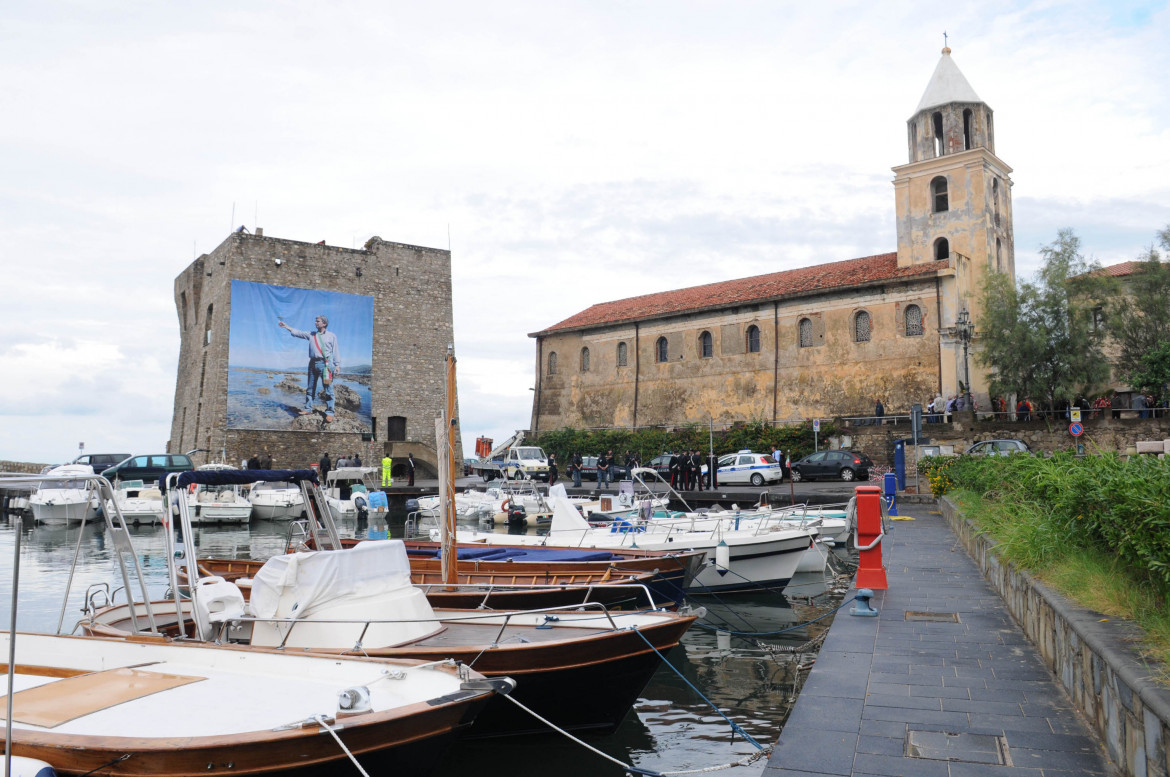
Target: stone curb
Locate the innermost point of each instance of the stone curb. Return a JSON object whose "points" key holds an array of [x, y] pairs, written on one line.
{"points": [[1090, 654]]}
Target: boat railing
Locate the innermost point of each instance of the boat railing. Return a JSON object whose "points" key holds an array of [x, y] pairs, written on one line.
{"points": [[117, 530], [549, 613]]}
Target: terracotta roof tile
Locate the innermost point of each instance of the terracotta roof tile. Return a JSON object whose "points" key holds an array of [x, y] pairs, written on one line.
{"points": [[1119, 270], [821, 277]]}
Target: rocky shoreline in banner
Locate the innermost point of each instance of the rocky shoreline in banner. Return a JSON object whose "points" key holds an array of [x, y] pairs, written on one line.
{"points": [[269, 399]]}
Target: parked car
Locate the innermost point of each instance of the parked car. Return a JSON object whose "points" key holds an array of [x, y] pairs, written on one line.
{"points": [[661, 465], [150, 468], [101, 461], [747, 467], [997, 448], [843, 464]]}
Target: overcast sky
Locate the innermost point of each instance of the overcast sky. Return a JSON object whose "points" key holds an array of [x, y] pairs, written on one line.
{"points": [[569, 153]]}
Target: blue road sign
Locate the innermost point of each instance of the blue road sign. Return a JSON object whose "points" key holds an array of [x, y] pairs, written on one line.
{"points": [[1075, 429]]}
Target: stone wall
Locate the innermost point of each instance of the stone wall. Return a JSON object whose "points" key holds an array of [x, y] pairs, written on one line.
{"points": [[23, 467], [413, 325], [1092, 656]]}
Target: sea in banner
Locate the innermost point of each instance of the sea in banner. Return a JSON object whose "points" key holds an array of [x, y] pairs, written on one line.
{"points": [[753, 681]]}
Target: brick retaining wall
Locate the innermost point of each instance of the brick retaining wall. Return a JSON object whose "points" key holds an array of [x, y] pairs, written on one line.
{"points": [[1091, 655]]}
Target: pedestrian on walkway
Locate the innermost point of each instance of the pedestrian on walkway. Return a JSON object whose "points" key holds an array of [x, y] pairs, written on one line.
{"points": [[410, 469], [552, 469], [575, 463]]}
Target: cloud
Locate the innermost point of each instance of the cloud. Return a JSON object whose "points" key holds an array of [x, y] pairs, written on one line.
{"points": [[568, 153]]}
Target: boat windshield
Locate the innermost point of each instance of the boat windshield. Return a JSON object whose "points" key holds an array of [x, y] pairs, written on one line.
{"points": [[49, 485], [272, 485]]}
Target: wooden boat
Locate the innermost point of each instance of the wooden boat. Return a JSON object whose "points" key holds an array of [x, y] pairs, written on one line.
{"points": [[360, 600], [120, 707], [149, 706], [518, 588]]}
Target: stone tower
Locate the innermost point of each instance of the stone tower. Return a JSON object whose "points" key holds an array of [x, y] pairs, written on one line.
{"points": [[953, 203]]}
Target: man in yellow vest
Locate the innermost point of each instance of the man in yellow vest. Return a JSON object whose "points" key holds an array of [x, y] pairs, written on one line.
{"points": [[387, 463]]}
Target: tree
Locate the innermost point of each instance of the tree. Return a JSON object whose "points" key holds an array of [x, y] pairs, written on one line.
{"points": [[1039, 339], [1152, 373], [1139, 320]]}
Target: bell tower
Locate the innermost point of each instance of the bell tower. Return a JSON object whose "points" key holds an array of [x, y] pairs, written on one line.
{"points": [[954, 209]]}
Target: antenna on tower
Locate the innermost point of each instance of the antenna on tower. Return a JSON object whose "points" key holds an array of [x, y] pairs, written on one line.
{"points": [[944, 39]]}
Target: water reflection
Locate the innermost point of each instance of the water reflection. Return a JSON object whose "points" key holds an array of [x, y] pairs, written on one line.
{"points": [[745, 656]]}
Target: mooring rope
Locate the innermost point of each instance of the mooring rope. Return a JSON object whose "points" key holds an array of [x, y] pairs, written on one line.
{"points": [[321, 722]]}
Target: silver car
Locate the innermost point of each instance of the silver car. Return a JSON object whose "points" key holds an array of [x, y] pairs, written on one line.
{"points": [[997, 448]]}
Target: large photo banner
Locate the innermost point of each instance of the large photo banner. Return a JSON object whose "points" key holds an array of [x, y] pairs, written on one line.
{"points": [[299, 359]]}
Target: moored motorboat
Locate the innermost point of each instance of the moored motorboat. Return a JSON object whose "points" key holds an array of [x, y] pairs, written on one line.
{"points": [[65, 496], [139, 503], [276, 500], [218, 503], [118, 707], [361, 599], [736, 559]]}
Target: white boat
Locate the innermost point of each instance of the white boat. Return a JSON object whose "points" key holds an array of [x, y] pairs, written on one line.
{"points": [[85, 703], [220, 503], [737, 559], [139, 503], [347, 490], [276, 500], [497, 504], [60, 502], [152, 706]]}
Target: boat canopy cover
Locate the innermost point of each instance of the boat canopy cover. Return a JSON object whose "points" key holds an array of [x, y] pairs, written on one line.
{"points": [[369, 568], [228, 477]]}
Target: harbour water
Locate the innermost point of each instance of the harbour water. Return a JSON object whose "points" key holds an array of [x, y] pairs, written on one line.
{"points": [[752, 680]]}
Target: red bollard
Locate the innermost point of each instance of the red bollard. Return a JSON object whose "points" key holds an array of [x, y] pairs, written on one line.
{"points": [[868, 537]]}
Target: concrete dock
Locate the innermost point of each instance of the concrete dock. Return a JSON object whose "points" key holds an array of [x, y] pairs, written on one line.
{"points": [[942, 683]]}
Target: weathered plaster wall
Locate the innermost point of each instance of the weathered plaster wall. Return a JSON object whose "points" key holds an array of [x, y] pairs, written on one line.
{"points": [[781, 381]]}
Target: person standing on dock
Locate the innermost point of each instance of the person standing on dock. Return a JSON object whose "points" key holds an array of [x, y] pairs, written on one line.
{"points": [[387, 465], [410, 469], [575, 463], [552, 469], [602, 471], [324, 466], [323, 365]]}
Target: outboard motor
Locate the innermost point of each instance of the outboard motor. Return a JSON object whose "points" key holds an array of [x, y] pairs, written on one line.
{"points": [[517, 515], [412, 505], [363, 510]]}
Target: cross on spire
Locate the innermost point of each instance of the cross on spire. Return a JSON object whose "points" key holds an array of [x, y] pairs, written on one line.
{"points": [[944, 39]]}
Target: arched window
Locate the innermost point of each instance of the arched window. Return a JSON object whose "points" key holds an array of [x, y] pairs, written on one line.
{"points": [[913, 318], [660, 350], [942, 249], [207, 325], [705, 348], [995, 198], [621, 355], [584, 360], [938, 195], [861, 327], [805, 327], [552, 363], [968, 141], [936, 123], [753, 339]]}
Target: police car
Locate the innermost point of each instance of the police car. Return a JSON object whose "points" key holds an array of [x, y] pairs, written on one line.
{"points": [[747, 467]]}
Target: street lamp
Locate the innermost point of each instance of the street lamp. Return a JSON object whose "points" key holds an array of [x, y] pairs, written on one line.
{"points": [[964, 329]]}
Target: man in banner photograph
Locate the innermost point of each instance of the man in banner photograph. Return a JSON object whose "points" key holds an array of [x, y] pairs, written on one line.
{"points": [[323, 365]]}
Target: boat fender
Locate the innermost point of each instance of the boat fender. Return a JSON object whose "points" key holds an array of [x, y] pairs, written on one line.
{"points": [[722, 557], [23, 766]]}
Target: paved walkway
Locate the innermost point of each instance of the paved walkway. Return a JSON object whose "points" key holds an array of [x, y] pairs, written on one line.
{"points": [[942, 683]]}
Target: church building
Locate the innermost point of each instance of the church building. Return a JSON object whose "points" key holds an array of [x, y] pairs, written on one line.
{"points": [[816, 342]]}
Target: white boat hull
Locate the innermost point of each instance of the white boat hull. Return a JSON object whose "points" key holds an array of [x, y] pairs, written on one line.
{"points": [[63, 511]]}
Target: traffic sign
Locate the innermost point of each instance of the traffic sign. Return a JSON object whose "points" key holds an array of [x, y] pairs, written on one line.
{"points": [[816, 424], [1075, 429], [1074, 415]]}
